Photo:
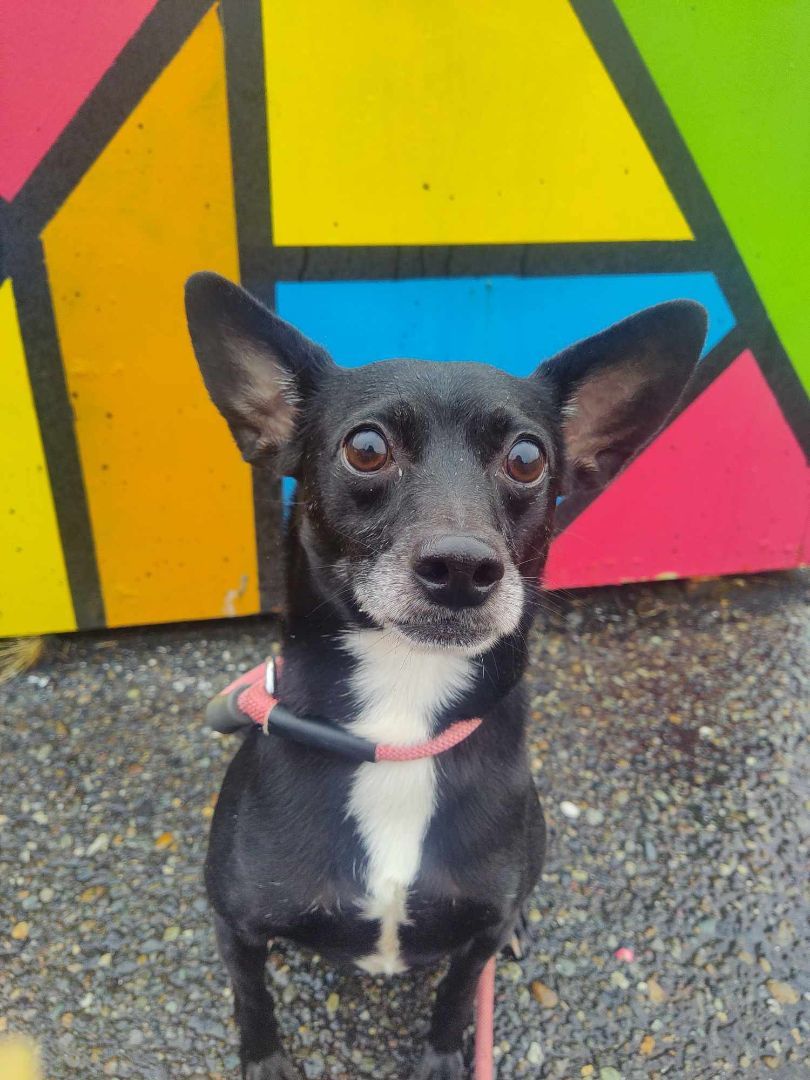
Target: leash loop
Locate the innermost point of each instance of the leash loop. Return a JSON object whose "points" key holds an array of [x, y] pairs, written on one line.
{"points": [[251, 699]]}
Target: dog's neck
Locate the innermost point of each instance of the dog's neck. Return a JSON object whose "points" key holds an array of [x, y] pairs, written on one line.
{"points": [[324, 646]]}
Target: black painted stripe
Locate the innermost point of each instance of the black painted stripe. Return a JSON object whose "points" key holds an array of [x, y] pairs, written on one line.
{"points": [[132, 73], [272, 264], [26, 265], [637, 88], [247, 113]]}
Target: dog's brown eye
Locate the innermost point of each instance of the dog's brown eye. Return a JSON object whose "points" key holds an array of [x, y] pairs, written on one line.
{"points": [[525, 462], [366, 450]]}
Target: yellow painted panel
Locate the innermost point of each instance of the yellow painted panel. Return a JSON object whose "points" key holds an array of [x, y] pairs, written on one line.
{"points": [[34, 590], [170, 499], [465, 121]]}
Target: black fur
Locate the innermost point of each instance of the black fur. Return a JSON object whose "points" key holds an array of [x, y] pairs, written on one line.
{"points": [[284, 859]]}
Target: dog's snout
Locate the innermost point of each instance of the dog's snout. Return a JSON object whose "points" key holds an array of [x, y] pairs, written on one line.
{"points": [[457, 571]]}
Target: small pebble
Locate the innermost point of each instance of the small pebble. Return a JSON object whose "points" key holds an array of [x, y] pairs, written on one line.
{"points": [[100, 844], [534, 1055], [544, 995], [656, 992], [783, 992], [92, 893]]}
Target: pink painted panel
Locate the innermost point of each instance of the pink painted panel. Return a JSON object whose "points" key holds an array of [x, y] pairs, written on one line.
{"points": [[52, 54], [724, 489]]}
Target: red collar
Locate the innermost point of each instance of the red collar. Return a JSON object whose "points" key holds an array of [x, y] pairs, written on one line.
{"points": [[251, 698]]}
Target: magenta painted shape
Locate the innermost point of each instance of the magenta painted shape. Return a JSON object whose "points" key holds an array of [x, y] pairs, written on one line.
{"points": [[52, 54], [725, 489]]}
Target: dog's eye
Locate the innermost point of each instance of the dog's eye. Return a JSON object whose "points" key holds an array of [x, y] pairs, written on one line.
{"points": [[525, 461], [366, 450]]}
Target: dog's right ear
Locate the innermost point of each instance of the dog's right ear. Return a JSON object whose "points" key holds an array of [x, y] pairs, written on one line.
{"points": [[257, 368]]}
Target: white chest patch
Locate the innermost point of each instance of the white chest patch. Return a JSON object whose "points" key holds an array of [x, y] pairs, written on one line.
{"points": [[399, 690]]}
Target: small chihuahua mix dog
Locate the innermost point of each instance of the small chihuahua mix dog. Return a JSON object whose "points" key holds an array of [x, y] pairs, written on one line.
{"points": [[424, 511]]}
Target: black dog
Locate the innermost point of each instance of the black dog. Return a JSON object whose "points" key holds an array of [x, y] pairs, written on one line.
{"points": [[425, 500]]}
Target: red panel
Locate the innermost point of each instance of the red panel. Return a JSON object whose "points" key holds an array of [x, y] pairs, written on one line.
{"points": [[52, 54], [724, 489]]}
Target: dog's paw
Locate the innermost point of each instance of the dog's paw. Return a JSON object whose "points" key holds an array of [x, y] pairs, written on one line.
{"points": [[436, 1066], [275, 1067]]}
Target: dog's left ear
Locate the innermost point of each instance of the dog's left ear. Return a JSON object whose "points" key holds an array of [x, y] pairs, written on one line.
{"points": [[616, 389], [257, 368]]}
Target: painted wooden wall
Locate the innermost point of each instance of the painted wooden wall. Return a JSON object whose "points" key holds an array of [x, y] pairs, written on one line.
{"points": [[464, 180]]}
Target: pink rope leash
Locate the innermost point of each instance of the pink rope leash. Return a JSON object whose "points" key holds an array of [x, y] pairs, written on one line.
{"points": [[455, 734], [257, 701], [485, 1022]]}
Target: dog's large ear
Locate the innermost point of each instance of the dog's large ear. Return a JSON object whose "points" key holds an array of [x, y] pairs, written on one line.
{"points": [[616, 389], [257, 368]]}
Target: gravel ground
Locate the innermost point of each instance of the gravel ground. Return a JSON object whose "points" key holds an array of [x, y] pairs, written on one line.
{"points": [[669, 745]]}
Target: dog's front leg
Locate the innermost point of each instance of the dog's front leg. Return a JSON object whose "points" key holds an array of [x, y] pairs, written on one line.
{"points": [[453, 1011], [260, 1048]]}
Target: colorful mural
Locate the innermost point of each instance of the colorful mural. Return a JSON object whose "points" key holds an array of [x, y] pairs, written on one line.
{"points": [[481, 182]]}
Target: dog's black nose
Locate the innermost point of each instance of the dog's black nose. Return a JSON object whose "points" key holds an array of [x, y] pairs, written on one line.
{"points": [[457, 571]]}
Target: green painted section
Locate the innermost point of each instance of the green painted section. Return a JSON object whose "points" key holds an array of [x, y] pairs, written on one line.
{"points": [[736, 77]]}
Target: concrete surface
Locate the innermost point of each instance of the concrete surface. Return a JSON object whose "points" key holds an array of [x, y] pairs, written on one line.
{"points": [[669, 740]]}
